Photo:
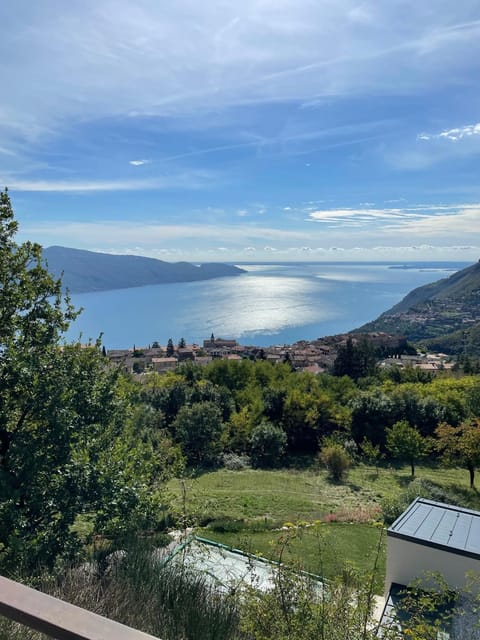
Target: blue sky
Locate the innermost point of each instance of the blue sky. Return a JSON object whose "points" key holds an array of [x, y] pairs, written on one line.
{"points": [[254, 130]]}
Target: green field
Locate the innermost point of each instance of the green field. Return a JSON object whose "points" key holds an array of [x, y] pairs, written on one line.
{"points": [[248, 510], [292, 495]]}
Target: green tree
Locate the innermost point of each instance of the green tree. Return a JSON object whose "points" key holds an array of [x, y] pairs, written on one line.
{"points": [[406, 444], [372, 411], [197, 429], [182, 344], [61, 410], [170, 348], [336, 460], [460, 445], [355, 360], [267, 444], [371, 453], [237, 431]]}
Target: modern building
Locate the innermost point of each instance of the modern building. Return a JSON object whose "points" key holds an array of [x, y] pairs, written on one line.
{"points": [[432, 536], [428, 539]]}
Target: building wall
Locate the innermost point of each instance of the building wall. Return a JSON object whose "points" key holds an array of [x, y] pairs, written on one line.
{"points": [[407, 561]]}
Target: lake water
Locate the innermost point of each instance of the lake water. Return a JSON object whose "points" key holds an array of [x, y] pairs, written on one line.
{"points": [[269, 304]]}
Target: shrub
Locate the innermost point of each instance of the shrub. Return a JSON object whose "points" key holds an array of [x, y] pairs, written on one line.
{"points": [[336, 459], [226, 524], [392, 508], [267, 444], [235, 462]]}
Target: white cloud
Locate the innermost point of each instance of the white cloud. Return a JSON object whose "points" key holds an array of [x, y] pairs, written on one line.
{"points": [[187, 180], [461, 223], [186, 57], [416, 218], [138, 163], [458, 133], [153, 234]]}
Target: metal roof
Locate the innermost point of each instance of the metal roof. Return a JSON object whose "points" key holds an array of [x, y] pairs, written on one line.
{"points": [[440, 525]]}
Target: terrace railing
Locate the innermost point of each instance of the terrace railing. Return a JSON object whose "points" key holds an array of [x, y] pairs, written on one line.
{"points": [[58, 619]]}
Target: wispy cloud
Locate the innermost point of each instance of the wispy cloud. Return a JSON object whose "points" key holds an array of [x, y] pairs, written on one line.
{"points": [[150, 233], [189, 180], [458, 133], [424, 220], [134, 59]]}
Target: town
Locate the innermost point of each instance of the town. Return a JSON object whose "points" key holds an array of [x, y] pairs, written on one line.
{"points": [[314, 356]]}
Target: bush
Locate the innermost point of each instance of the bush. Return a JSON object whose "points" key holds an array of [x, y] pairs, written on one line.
{"points": [[235, 462], [392, 508], [336, 459], [267, 444]]}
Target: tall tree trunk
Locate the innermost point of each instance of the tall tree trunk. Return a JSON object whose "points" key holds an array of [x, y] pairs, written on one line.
{"points": [[471, 471], [412, 466]]}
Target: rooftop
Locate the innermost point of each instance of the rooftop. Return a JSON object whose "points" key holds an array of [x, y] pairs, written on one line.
{"points": [[440, 525]]}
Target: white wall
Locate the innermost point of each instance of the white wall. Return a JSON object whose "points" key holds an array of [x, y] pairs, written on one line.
{"points": [[407, 561]]}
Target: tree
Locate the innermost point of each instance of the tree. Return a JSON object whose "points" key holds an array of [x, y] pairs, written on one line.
{"points": [[460, 445], [355, 360], [170, 348], [237, 431], [182, 343], [197, 429], [60, 412], [267, 444], [371, 413], [405, 443], [371, 453]]}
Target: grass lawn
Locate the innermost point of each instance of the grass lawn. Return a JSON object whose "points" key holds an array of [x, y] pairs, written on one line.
{"points": [[262, 501], [307, 494]]}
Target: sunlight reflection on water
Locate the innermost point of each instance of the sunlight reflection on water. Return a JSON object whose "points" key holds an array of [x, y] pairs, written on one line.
{"points": [[270, 304], [266, 304]]}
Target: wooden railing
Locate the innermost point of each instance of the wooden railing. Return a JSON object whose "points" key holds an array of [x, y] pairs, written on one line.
{"points": [[59, 619]]}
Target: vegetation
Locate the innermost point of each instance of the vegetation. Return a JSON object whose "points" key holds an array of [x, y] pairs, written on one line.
{"points": [[461, 445], [88, 454], [443, 314], [69, 441], [405, 443], [336, 460]]}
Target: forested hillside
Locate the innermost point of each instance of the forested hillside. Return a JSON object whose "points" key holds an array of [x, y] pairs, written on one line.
{"points": [[444, 315]]}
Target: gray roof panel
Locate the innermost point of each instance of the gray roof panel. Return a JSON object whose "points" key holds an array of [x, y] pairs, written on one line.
{"points": [[439, 525]]}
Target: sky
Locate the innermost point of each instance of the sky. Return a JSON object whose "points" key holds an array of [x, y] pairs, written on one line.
{"points": [[273, 130]]}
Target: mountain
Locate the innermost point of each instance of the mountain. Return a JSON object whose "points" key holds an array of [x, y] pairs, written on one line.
{"points": [[444, 315], [87, 271]]}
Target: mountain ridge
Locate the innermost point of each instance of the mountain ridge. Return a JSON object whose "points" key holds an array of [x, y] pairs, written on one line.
{"points": [[444, 315], [85, 271]]}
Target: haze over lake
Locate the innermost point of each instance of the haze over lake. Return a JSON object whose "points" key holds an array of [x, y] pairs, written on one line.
{"points": [[269, 304]]}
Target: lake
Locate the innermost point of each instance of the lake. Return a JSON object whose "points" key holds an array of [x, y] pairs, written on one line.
{"points": [[275, 303]]}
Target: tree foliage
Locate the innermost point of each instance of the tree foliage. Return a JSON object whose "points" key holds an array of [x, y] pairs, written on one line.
{"points": [[267, 444], [198, 429], [460, 445], [63, 417], [406, 444], [336, 460], [355, 360]]}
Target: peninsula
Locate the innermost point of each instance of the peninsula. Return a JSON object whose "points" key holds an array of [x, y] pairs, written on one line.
{"points": [[87, 271]]}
